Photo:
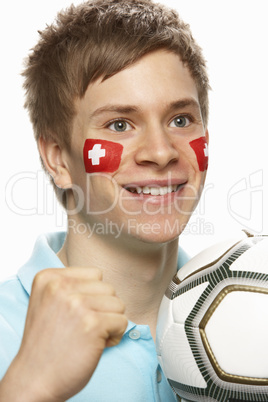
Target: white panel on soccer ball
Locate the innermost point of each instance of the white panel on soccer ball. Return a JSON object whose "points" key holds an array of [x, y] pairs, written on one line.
{"points": [[165, 320], [183, 304], [208, 256], [178, 360], [249, 262], [237, 333]]}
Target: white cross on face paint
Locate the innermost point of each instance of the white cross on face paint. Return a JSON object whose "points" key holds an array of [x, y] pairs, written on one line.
{"points": [[96, 153]]}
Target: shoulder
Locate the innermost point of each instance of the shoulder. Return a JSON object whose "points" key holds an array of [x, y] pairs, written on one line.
{"points": [[10, 285], [13, 301]]}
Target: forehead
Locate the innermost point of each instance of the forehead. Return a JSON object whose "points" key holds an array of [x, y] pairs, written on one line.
{"points": [[157, 79]]}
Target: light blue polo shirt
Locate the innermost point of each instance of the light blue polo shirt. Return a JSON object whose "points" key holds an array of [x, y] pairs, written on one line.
{"points": [[127, 372]]}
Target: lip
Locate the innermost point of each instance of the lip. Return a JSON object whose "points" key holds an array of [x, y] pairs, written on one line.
{"points": [[162, 200], [155, 183]]}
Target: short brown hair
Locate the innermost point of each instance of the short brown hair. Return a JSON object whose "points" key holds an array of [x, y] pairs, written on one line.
{"points": [[98, 39]]}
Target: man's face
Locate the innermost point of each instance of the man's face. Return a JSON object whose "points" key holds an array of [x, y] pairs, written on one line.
{"points": [[150, 113]]}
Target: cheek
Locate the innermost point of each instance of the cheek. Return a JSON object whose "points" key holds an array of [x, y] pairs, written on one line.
{"points": [[200, 148], [101, 156]]}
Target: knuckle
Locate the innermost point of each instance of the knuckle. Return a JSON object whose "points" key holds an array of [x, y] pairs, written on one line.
{"points": [[76, 305], [42, 278], [52, 283], [92, 322], [57, 285], [53, 287]]}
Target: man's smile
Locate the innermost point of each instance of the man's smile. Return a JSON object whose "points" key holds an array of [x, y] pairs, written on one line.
{"points": [[153, 189]]}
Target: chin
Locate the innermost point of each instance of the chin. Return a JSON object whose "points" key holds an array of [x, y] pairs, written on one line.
{"points": [[156, 231]]}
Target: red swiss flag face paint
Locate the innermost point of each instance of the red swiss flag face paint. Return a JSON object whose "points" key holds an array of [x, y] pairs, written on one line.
{"points": [[102, 155], [200, 148]]}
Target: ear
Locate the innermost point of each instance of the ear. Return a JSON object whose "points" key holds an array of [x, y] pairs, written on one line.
{"points": [[55, 163]]}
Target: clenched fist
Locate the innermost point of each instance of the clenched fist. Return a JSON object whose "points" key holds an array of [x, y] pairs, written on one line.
{"points": [[72, 317]]}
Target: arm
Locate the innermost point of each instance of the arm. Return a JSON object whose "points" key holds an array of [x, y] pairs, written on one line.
{"points": [[72, 317]]}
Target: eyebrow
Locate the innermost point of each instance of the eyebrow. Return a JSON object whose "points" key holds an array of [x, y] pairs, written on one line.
{"points": [[182, 103], [121, 109], [128, 109]]}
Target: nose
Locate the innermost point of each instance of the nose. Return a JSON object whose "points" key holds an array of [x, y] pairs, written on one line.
{"points": [[156, 149]]}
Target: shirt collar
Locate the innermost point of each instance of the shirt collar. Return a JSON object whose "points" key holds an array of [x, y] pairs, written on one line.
{"points": [[44, 256]]}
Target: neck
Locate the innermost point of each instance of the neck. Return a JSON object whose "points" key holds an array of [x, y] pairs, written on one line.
{"points": [[140, 272]]}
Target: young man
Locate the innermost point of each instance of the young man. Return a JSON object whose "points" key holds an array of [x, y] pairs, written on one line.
{"points": [[118, 96]]}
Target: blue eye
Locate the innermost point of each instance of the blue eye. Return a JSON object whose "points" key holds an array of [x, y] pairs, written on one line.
{"points": [[119, 126], [180, 122]]}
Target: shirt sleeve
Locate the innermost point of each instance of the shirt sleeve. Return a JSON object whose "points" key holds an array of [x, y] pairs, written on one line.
{"points": [[13, 310]]}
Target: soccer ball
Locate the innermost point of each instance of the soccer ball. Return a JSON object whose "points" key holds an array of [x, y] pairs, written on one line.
{"points": [[212, 330]]}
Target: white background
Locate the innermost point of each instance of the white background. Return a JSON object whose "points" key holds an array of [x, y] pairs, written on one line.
{"points": [[233, 35]]}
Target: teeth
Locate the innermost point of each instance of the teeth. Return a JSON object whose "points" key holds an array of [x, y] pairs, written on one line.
{"points": [[170, 189], [145, 190], [154, 190], [163, 190]]}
